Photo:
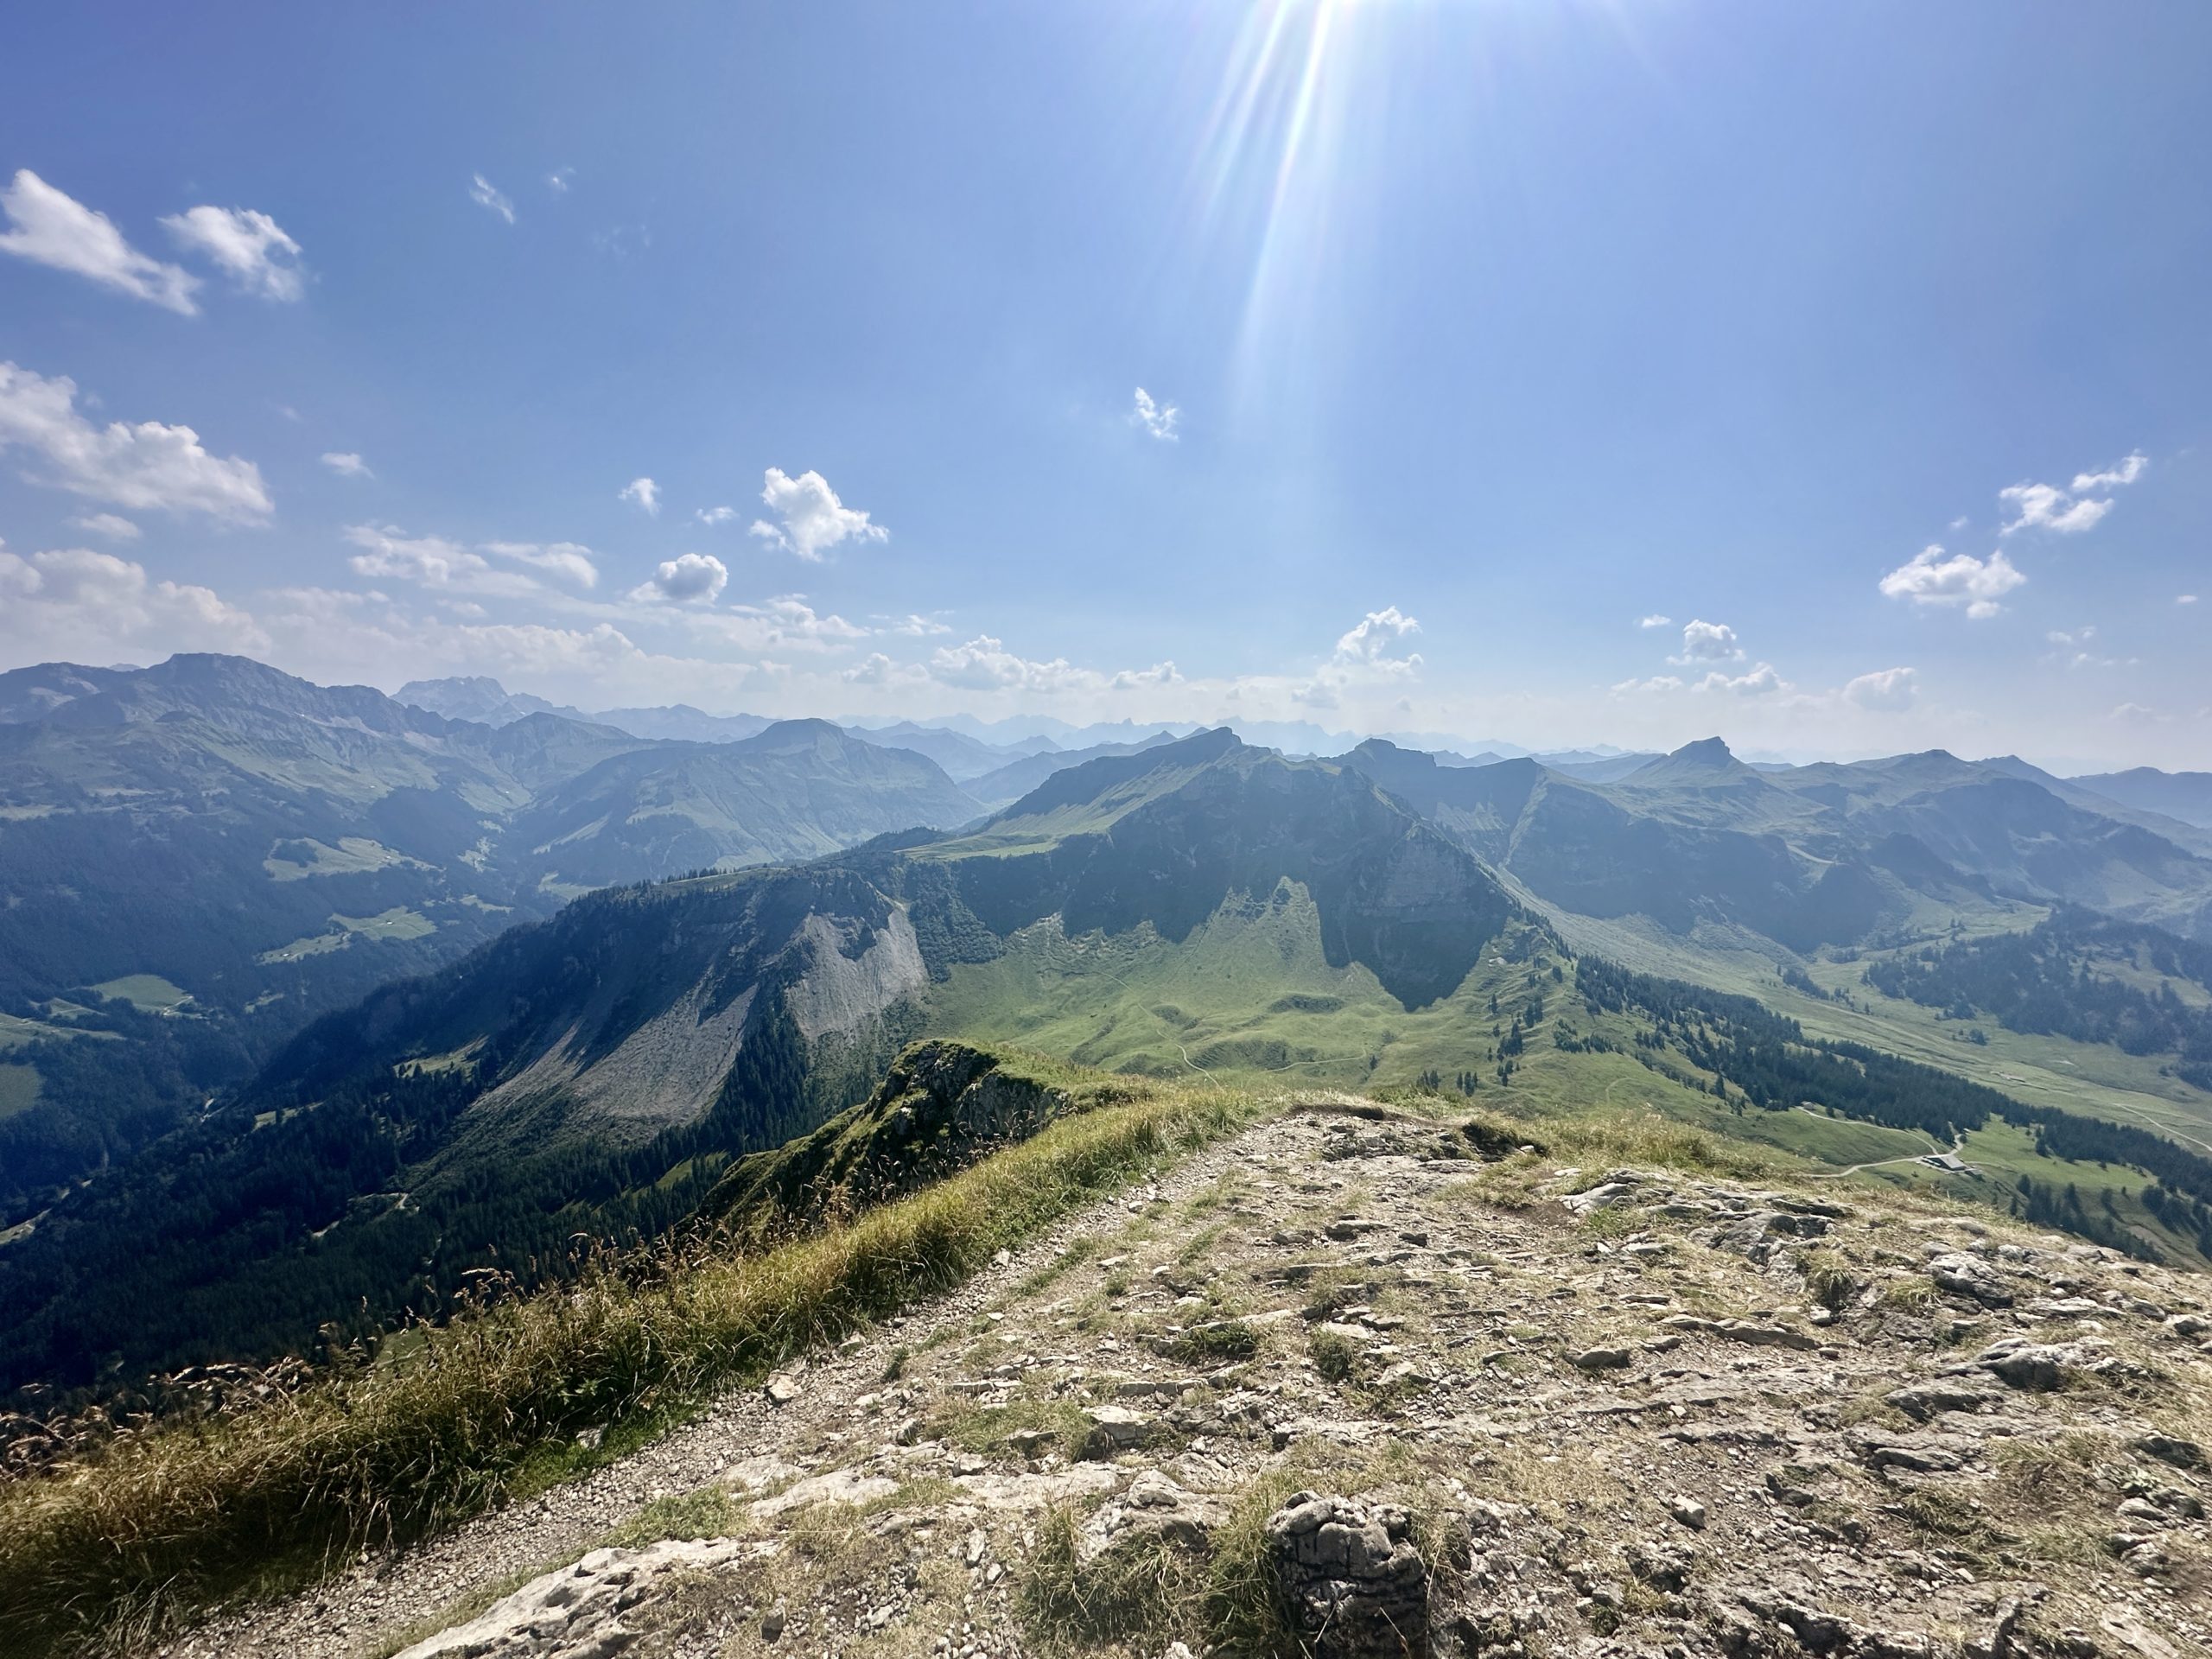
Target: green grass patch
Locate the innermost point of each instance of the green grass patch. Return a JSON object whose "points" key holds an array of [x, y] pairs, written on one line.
{"points": [[148, 992], [397, 923], [295, 861], [19, 1087]]}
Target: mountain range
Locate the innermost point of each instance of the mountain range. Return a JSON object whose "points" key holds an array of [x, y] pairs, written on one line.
{"points": [[314, 1001]]}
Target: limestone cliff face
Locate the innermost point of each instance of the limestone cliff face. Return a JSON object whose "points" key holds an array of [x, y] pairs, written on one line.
{"points": [[853, 972]]}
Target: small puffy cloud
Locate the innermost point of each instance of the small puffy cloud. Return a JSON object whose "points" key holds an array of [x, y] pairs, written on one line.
{"points": [[1929, 578], [641, 492], [689, 579], [1655, 620], [146, 466], [1886, 690], [2136, 713], [2045, 506], [111, 525], [715, 516], [249, 247], [1759, 681], [1372, 643], [813, 519], [2185, 599], [874, 668], [570, 560], [481, 193], [1658, 685], [557, 180], [1158, 419], [1709, 642], [1133, 679], [984, 664], [76, 602], [2119, 473], [50, 228], [346, 464]]}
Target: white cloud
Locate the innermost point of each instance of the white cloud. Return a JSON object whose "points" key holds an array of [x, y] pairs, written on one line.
{"points": [[74, 602], [251, 246], [787, 622], [450, 569], [715, 515], [148, 466], [984, 664], [1370, 643], [912, 626], [1158, 419], [814, 520], [1655, 620], [1928, 578], [2137, 714], [2045, 506], [2185, 599], [1708, 642], [347, 464], [2119, 473], [113, 526], [1887, 690], [689, 579], [481, 193], [1759, 681], [874, 668], [390, 552], [51, 228], [570, 560], [2073, 650], [557, 180], [1159, 674], [644, 492]]}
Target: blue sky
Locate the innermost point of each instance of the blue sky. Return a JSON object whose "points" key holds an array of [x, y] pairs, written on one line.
{"points": [[1491, 330]]}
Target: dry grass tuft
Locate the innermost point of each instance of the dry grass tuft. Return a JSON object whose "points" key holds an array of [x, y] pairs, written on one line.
{"points": [[116, 1546]]}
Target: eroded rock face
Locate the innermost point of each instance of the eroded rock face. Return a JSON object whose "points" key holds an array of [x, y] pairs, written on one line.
{"points": [[1154, 1509], [1351, 1577], [580, 1612]]}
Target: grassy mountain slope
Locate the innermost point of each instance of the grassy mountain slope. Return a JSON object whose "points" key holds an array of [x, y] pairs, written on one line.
{"points": [[2184, 795], [268, 849], [1205, 910], [1809, 856], [1496, 1323], [596, 1072], [793, 791]]}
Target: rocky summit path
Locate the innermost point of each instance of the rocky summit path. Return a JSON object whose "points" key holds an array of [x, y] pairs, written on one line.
{"points": [[1344, 1377]]}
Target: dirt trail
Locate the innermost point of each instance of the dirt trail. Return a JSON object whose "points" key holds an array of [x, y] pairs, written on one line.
{"points": [[1624, 1421]]}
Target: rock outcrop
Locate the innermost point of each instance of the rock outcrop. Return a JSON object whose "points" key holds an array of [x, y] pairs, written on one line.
{"points": [[1338, 1382]]}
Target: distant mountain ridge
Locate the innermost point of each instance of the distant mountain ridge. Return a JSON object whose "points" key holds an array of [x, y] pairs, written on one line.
{"points": [[198, 856], [2184, 795], [596, 1070], [1809, 855]]}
